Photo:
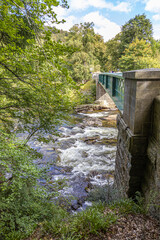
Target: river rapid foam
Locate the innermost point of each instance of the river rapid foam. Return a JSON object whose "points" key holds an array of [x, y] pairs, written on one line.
{"points": [[83, 154]]}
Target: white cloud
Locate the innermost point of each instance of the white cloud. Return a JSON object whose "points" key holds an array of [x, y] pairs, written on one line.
{"points": [[153, 6], [80, 4], [60, 11], [70, 21], [156, 17], [84, 4], [122, 7], [156, 31], [63, 13], [103, 26]]}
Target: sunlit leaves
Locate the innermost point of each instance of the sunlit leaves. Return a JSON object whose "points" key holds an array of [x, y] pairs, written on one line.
{"points": [[134, 48], [138, 27], [32, 69], [138, 55], [89, 52]]}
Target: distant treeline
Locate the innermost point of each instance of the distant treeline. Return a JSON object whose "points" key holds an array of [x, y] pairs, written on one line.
{"points": [[133, 48]]}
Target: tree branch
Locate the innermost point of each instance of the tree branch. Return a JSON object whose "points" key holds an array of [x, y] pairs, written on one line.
{"points": [[18, 77], [11, 106], [22, 11]]}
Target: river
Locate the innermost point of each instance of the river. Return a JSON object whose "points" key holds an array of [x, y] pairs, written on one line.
{"points": [[83, 155]]}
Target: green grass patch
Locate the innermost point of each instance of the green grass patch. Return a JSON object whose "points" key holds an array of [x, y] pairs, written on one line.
{"points": [[87, 85], [127, 206], [81, 225], [94, 221]]}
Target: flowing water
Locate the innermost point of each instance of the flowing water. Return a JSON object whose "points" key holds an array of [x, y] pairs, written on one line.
{"points": [[83, 155]]}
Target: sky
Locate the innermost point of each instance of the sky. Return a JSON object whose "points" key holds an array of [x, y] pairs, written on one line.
{"points": [[108, 16]]}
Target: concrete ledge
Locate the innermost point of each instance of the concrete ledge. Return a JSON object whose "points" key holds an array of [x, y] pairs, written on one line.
{"points": [[143, 74]]}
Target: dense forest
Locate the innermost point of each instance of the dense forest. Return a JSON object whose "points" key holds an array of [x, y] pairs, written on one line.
{"points": [[133, 48], [41, 72]]}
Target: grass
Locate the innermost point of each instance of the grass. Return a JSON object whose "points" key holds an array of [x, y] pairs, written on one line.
{"points": [[35, 216], [62, 225], [94, 221], [107, 208], [82, 224]]}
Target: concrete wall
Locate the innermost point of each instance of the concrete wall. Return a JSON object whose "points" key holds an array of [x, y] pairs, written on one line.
{"points": [[151, 182], [138, 148], [102, 97]]}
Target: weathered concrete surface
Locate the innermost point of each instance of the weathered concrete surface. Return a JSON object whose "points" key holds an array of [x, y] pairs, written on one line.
{"points": [[138, 147], [138, 98], [151, 183], [102, 97], [156, 119], [130, 159], [145, 74]]}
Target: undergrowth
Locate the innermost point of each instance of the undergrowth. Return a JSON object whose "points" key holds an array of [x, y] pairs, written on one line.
{"points": [[60, 224], [94, 220], [88, 92], [80, 225]]}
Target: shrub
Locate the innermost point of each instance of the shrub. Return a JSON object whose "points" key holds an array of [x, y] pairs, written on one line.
{"points": [[23, 203], [106, 194]]}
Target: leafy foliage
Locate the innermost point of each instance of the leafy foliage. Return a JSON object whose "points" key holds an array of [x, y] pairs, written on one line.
{"points": [[36, 92], [138, 27], [113, 53], [134, 47], [29, 71], [89, 55], [34, 87], [138, 55], [22, 202]]}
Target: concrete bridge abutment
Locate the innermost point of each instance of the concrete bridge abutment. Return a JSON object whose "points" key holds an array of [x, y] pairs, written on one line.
{"points": [[138, 147]]}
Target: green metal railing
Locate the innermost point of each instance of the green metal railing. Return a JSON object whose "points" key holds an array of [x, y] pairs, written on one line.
{"points": [[113, 83]]}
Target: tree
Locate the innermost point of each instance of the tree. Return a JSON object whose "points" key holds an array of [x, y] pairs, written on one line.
{"points": [[156, 48], [34, 88], [138, 55], [100, 51], [138, 27], [89, 55], [132, 48], [112, 53], [31, 66]]}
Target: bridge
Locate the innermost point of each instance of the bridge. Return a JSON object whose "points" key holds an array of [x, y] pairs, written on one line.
{"points": [[137, 95], [113, 84]]}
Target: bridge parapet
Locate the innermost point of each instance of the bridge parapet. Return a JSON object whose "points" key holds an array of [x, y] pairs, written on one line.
{"points": [[113, 84]]}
